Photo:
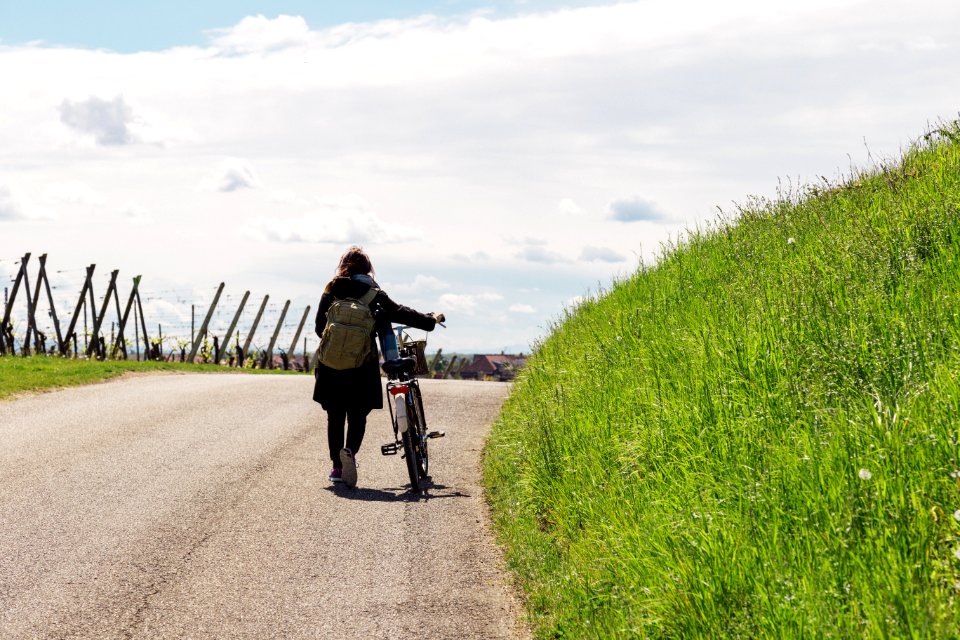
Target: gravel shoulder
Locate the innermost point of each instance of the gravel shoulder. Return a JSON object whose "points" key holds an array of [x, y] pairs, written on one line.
{"points": [[198, 506]]}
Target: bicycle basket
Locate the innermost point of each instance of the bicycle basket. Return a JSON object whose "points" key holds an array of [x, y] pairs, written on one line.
{"points": [[416, 349]]}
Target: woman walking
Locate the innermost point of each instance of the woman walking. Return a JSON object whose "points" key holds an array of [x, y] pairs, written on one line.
{"points": [[349, 390]]}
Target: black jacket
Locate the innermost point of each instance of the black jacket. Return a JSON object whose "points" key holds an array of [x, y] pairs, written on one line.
{"points": [[359, 388]]}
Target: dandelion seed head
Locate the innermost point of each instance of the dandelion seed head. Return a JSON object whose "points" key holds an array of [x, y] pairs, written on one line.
{"points": [[956, 554], [955, 474], [864, 474], [791, 241], [956, 515]]}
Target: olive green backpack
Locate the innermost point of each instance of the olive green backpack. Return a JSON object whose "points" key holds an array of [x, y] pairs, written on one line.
{"points": [[345, 342]]}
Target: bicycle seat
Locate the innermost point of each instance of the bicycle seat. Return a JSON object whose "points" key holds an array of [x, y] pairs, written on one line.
{"points": [[399, 365]]}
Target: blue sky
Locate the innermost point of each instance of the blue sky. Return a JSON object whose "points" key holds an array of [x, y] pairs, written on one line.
{"points": [[127, 27], [498, 160]]}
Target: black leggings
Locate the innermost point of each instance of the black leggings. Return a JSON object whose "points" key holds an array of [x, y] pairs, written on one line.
{"points": [[357, 421]]}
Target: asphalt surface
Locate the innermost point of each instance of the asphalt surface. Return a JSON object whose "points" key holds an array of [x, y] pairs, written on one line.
{"points": [[195, 506]]}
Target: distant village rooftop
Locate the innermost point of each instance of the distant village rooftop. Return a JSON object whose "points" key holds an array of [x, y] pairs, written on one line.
{"points": [[503, 367]]}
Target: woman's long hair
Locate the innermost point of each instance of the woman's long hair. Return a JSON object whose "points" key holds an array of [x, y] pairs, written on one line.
{"points": [[354, 261]]}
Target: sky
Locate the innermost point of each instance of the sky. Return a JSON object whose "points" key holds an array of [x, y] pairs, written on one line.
{"points": [[499, 161]]}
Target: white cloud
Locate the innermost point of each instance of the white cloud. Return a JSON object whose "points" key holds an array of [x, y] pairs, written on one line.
{"points": [[106, 120], [135, 213], [925, 43], [465, 302], [72, 192], [476, 256], [568, 207], [429, 282], [420, 284], [601, 254], [233, 174], [522, 308], [539, 253], [345, 220], [258, 34], [635, 209], [10, 208], [536, 241], [286, 196]]}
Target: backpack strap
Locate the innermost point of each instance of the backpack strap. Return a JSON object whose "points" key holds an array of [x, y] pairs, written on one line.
{"points": [[368, 297]]}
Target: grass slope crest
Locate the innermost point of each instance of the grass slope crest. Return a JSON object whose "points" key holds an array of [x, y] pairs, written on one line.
{"points": [[757, 436]]}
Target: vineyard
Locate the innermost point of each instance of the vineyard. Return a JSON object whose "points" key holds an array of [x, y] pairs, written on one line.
{"points": [[57, 312]]}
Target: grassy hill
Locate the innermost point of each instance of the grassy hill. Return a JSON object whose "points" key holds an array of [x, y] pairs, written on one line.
{"points": [[757, 436]]}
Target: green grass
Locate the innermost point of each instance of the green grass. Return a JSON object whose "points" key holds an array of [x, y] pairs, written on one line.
{"points": [[757, 436], [42, 372]]}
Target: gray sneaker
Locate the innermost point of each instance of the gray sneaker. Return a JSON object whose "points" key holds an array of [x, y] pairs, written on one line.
{"points": [[349, 473]]}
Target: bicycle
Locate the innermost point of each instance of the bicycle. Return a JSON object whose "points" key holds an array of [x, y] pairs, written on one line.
{"points": [[410, 433]]}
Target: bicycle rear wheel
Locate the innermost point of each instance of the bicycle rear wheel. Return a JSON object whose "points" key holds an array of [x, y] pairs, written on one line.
{"points": [[420, 438], [410, 455]]}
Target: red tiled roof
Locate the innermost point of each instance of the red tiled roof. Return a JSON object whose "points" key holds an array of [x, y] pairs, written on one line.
{"points": [[487, 363]]}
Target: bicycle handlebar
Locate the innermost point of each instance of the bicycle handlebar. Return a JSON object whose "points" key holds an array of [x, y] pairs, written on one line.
{"points": [[400, 328]]}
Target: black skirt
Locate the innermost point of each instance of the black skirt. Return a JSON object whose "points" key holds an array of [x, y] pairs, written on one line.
{"points": [[349, 389]]}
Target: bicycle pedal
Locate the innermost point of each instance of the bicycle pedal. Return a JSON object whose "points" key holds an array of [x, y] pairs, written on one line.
{"points": [[389, 449], [436, 434]]}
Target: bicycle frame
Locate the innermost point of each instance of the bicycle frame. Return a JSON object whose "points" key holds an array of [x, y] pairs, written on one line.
{"points": [[407, 416]]}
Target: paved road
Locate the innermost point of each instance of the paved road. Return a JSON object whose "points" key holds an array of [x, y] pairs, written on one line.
{"points": [[198, 506]]}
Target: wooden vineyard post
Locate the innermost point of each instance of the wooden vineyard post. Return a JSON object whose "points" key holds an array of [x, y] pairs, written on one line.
{"points": [[31, 316], [6, 329], [146, 338], [433, 361], [39, 338], [98, 318], [89, 306], [136, 332], [116, 300], [123, 321], [253, 329], [296, 337], [203, 327], [53, 308], [268, 356], [87, 284], [446, 374], [33, 331], [233, 325]]}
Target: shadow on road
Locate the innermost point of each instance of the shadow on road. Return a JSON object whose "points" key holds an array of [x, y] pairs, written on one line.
{"points": [[396, 494]]}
